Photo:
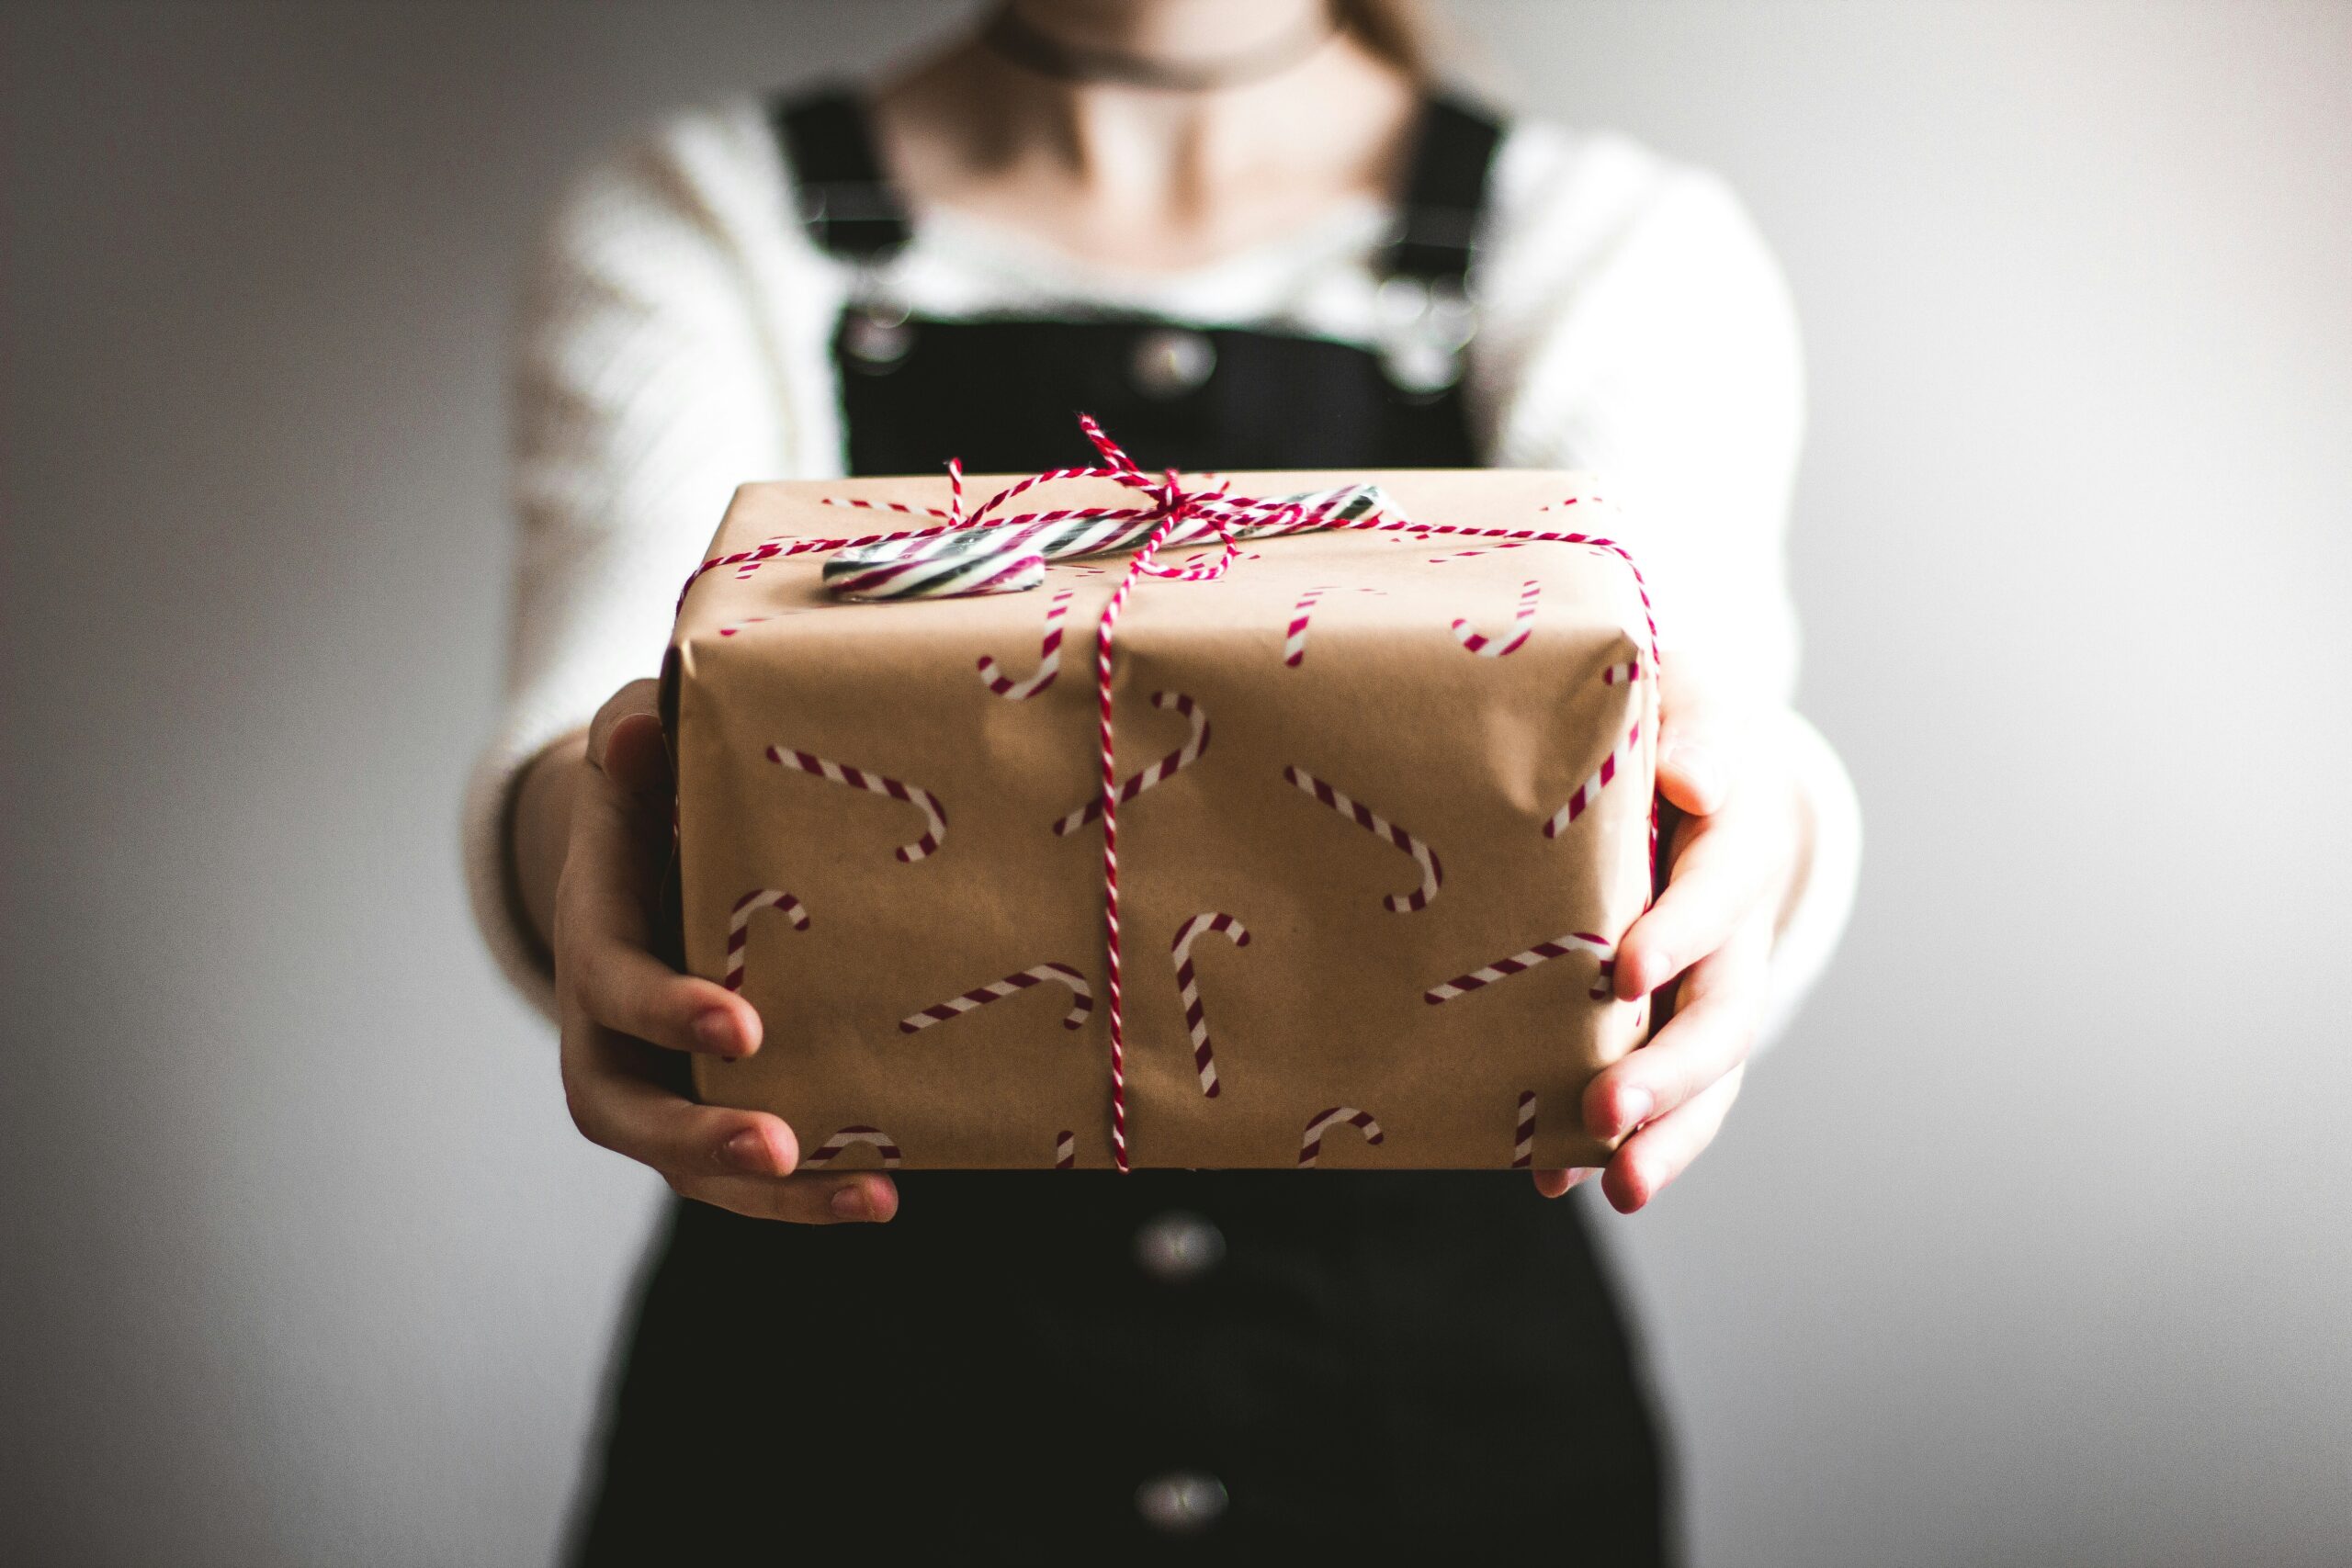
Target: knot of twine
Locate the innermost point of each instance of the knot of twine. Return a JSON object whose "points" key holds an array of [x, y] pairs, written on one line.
{"points": [[968, 552]]}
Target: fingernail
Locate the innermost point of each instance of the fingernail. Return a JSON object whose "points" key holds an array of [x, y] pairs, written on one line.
{"points": [[747, 1150], [1651, 970], [715, 1031], [1634, 1108], [850, 1204]]}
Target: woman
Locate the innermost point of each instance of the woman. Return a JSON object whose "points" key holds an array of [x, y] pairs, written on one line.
{"points": [[1245, 234]]}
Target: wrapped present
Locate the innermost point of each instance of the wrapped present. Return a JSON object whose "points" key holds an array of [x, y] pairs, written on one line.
{"points": [[1377, 808]]}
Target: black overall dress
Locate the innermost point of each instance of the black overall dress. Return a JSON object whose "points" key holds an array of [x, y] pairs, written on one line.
{"points": [[1096, 1368]]}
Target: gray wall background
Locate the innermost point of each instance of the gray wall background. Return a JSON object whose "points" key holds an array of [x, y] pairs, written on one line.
{"points": [[2029, 1246]]}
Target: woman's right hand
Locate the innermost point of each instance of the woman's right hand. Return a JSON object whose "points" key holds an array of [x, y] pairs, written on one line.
{"points": [[621, 1007]]}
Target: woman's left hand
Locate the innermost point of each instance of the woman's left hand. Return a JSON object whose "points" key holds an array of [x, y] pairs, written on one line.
{"points": [[1743, 837]]}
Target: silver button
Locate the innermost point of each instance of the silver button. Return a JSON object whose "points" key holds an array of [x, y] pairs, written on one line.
{"points": [[1183, 1503], [1169, 362], [1178, 1247], [877, 340], [1422, 333]]}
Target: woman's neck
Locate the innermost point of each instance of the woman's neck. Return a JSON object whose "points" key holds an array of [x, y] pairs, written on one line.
{"points": [[1173, 32], [1143, 176]]}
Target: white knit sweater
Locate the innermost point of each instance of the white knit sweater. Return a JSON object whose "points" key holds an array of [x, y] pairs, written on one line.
{"points": [[674, 344]]}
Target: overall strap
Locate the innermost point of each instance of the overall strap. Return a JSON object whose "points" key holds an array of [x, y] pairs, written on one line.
{"points": [[853, 212], [1445, 194], [847, 202]]}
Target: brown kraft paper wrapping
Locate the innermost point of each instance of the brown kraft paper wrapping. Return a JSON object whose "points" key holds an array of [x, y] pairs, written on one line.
{"points": [[1324, 1007]]}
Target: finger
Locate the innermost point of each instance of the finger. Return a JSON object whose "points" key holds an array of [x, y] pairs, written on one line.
{"points": [[625, 744], [1559, 1183], [618, 843], [605, 939], [1700, 735], [1654, 1157], [638, 699], [742, 1161], [622, 987], [1724, 869], [851, 1197], [618, 1100], [636, 759], [1712, 1032]]}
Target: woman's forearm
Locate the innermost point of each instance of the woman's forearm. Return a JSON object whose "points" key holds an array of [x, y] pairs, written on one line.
{"points": [[539, 827]]}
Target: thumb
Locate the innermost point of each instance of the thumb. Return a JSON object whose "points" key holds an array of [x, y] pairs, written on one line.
{"points": [[625, 741], [1700, 735], [637, 760]]}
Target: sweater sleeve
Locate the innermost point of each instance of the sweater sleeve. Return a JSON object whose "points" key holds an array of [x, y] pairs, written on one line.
{"points": [[648, 381], [1641, 328]]}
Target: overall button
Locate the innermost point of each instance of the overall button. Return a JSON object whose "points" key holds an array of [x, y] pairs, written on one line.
{"points": [[877, 340], [1422, 331], [1183, 1503], [1169, 362], [1178, 1247]]}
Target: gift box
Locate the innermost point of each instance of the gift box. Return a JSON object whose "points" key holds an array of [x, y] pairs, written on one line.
{"points": [[1383, 800]]}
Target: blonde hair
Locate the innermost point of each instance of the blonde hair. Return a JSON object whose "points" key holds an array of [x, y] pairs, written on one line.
{"points": [[1396, 31]]}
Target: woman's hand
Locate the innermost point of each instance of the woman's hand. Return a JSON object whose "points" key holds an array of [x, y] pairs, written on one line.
{"points": [[622, 1009], [1733, 857]]}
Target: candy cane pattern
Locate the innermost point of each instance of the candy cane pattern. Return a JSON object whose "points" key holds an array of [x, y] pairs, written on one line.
{"points": [[1503, 968], [857, 778], [733, 627], [1371, 821], [1082, 997], [1522, 1154], [1170, 508], [1294, 640], [1065, 1151], [1175, 761], [1294, 644], [1049, 657], [1310, 1146], [739, 925], [1521, 625], [823, 1154], [1624, 674], [1589, 791], [1188, 987], [1464, 555]]}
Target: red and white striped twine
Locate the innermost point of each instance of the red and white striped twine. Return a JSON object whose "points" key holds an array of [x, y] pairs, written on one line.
{"points": [[857, 778], [1371, 821], [1082, 997], [1624, 674], [1310, 1143], [1519, 963], [1183, 757], [739, 925], [823, 1155], [1167, 505], [1066, 1151], [1189, 991], [1523, 1152], [1521, 625], [1049, 656]]}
